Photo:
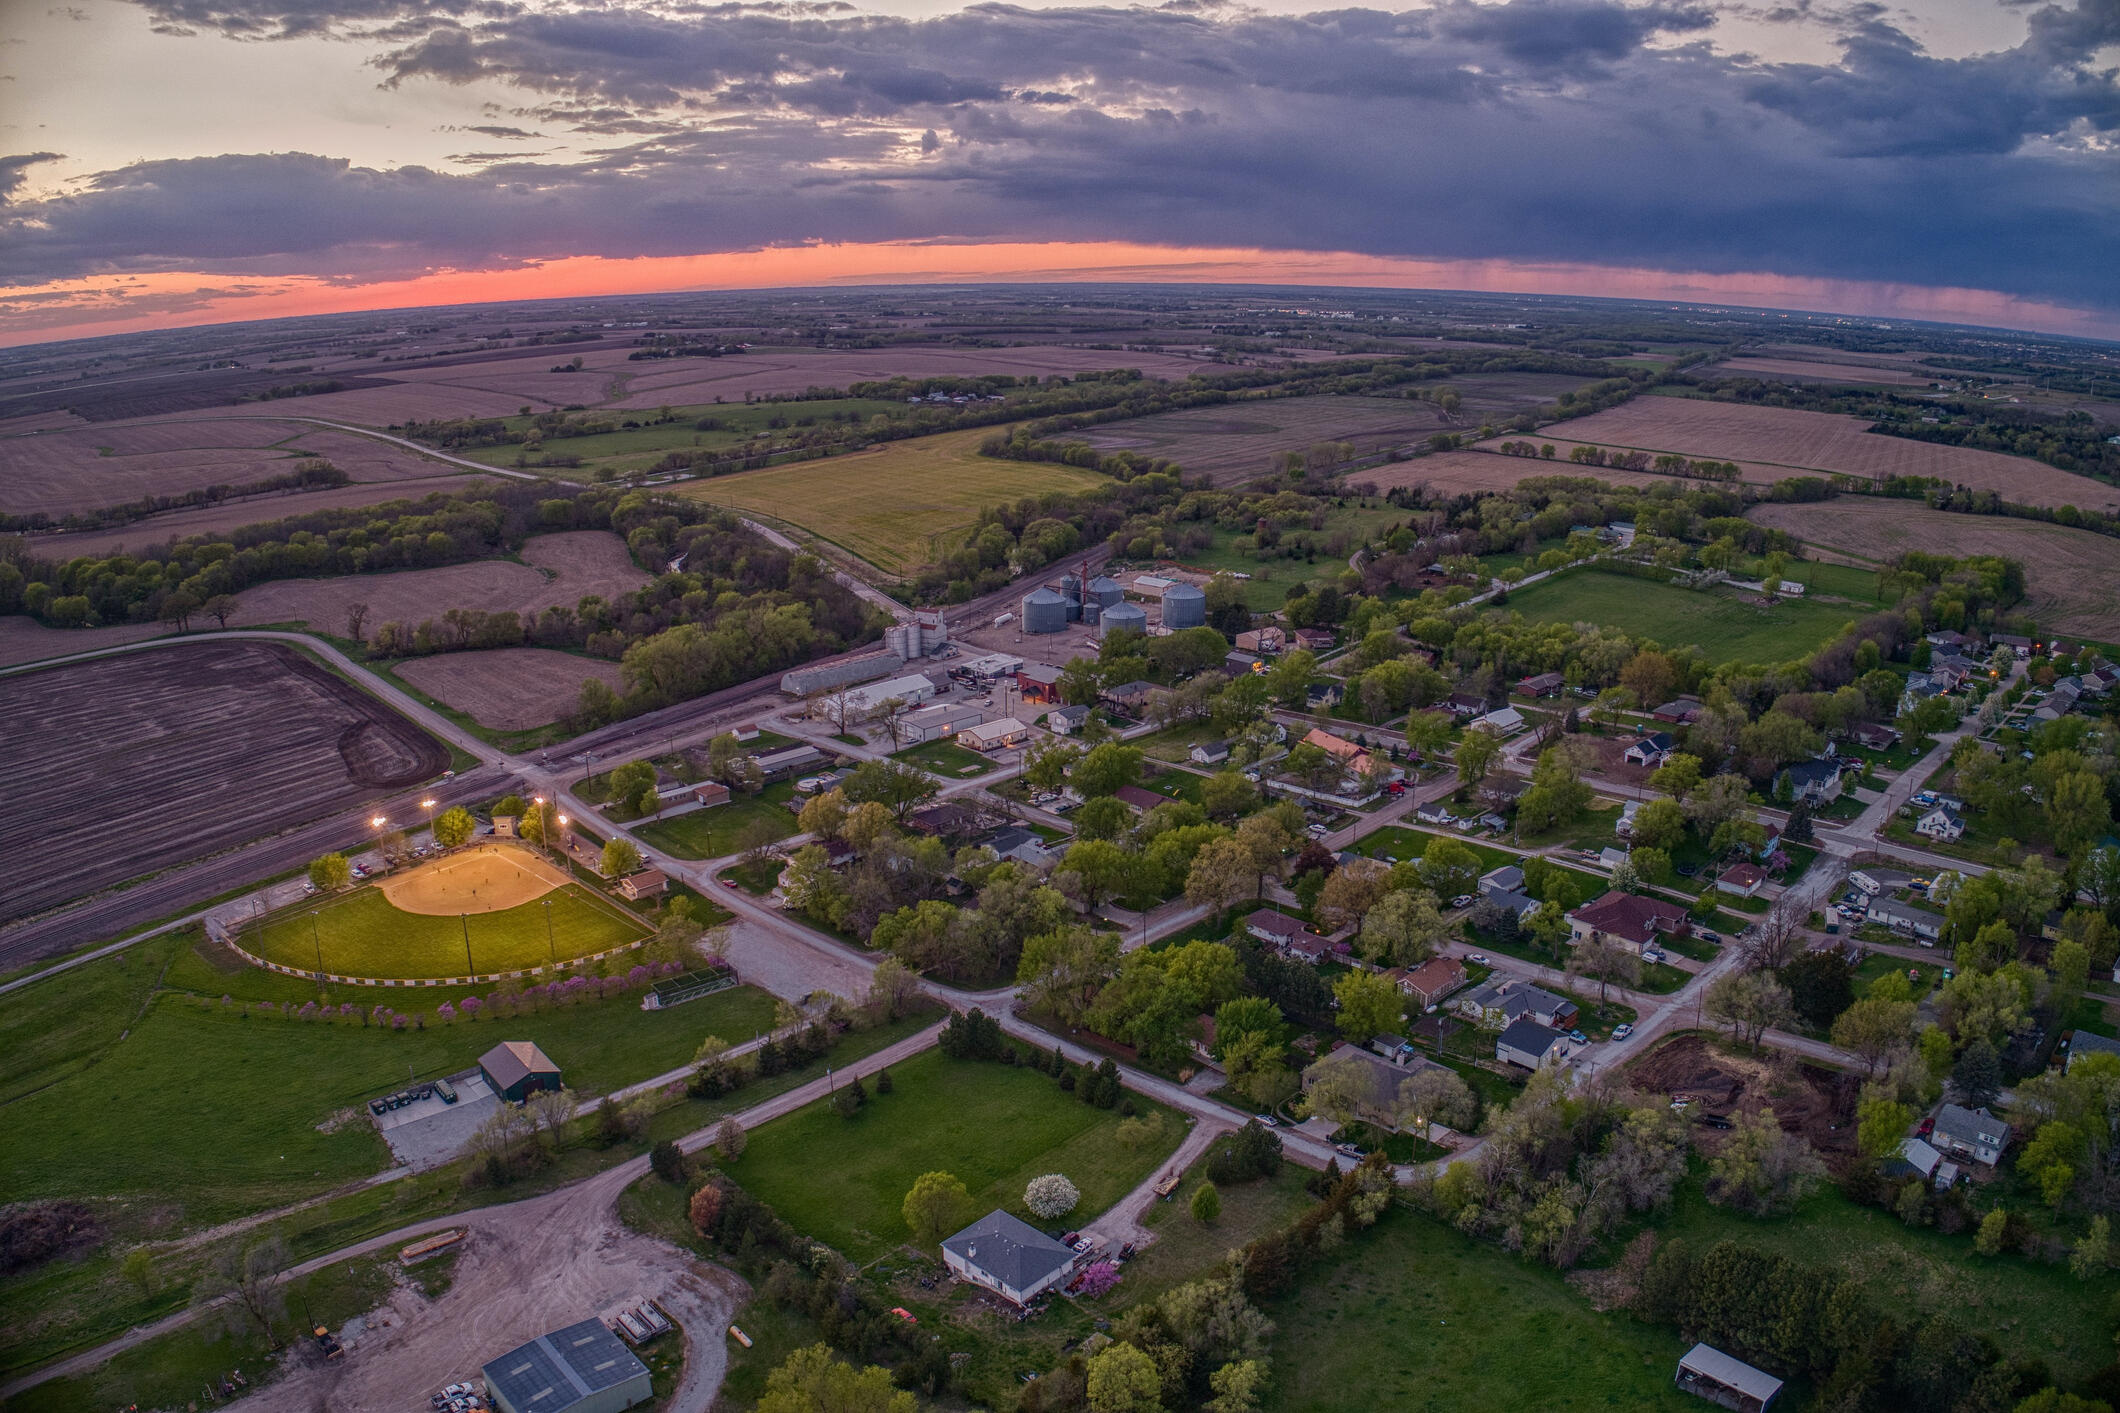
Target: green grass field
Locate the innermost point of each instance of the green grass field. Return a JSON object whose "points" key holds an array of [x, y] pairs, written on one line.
{"points": [[1418, 1319], [897, 506], [995, 1126], [215, 1112], [718, 832], [1720, 625], [361, 934], [947, 759], [637, 449]]}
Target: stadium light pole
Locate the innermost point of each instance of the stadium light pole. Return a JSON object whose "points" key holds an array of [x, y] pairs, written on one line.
{"points": [[544, 835], [428, 805], [551, 949], [377, 824], [469, 965]]}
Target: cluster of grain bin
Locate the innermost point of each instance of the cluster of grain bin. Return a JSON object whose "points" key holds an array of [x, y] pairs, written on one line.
{"points": [[1123, 616], [923, 635], [1184, 606], [1045, 610]]}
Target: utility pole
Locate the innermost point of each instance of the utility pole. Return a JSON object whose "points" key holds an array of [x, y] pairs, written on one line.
{"points": [[465, 919]]}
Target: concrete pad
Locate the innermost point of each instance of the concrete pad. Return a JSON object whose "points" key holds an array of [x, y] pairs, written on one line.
{"points": [[428, 1132]]}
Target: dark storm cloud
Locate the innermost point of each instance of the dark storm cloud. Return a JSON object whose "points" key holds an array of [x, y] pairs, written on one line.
{"points": [[14, 171], [1565, 130]]}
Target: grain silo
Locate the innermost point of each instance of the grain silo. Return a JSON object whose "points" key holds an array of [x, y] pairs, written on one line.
{"points": [[1045, 611], [1184, 606], [1122, 616], [1105, 592]]}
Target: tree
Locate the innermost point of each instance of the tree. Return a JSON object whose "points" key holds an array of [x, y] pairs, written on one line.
{"points": [[1100, 869], [1062, 971], [1821, 986], [1266, 840], [356, 621], [331, 872], [1881, 1125], [178, 607], [893, 987], [621, 857], [454, 827], [1874, 1028], [1978, 1074], [2052, 1400], [1437, 1094], [894, 786], [937, 1205], [1046, 765], [2094, 1251], [1050, 1196], [729, 1138], [139, 1270], [1369, 1005], [1475, 755], [1607, 961], [246, 1285], [1238, 1387], [1659, 824], [1102, 818], [222, 607], [1206, 1204], [669, 1162], [1761, 1169], [865, 824], [815, 1380], [1122, 1379], [1449, 868], [824, 815], [1349, 893], [1557, 792], [1403, 929], [1750, 1003], [1227, 795], [1106, 770]]}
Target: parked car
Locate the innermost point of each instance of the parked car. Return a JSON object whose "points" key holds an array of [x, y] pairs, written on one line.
{"points": [[1578, 1037], [1480, 958], [1462, 900], [1267, 1120], [1622, 1031], [1351, 1150], [1707, 936]]}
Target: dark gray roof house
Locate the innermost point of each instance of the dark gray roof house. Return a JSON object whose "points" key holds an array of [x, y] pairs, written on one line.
{"points": [[1008, 1256], [583, 1368], [2085, 1043], [1970, 1133], [1530, 1044]]}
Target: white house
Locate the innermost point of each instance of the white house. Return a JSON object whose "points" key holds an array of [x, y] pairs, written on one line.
{"points": [[994, 735], [1970, 1133], [1504, 721], [1531, 1045], [1008, 1256], [1942, 823]]}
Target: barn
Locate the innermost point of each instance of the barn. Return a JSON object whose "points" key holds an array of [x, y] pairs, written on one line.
{"points": [[516, 1069]]}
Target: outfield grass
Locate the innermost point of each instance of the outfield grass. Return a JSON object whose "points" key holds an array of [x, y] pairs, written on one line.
{"points": [[897, 506], [361, 934], [1723, 627], [947, 759], [215, 1112], [718, 832], [1415, 1318], [995, 1126]]}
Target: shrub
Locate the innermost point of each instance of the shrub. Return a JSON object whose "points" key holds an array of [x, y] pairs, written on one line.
{"points": [[705, 1209], [1206, 1204], [668, 1160]]}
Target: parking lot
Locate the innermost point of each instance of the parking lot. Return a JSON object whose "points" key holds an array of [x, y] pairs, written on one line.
{"points": [[429, 1132]]}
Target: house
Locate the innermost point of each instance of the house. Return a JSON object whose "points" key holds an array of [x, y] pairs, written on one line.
{"points": [[516, 1069], [1609, 859], [1527, 1043], [1651, 749], [1623, 827], [1769, 844], [790, 761], [1942, 823], [1347, 753], [1152, 586], [1435, 812], [584, 1368], [994, 735], [1395, 1048], [1323, 696], [1203, 1044], [1208, 753], [1277, 930], [745, 731], [1008, 1256], [1545, 684], [1039, 681], [1502, 721], [1463, 706], [1432, 980], [1261, 640], [1021, 846], [1684, 711], [1744, 880], [504, 826], [2021, 646], [1129, 697], [1627, 918], [2083, 1042], [1506, 879], [936, 722], [1815, 782], [1379, 1103], [1067, 720], [1520, 905], [1970, 1133], [1876, 738], [1501, 1000], [1238, 663], [1905, 918], [1914, 1159], [947, 820], [648, 883], [710, 793], [1134, 797], [1709, 1373], [1318, 640]]}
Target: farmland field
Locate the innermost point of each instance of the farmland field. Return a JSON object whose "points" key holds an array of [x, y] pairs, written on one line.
{"points": [[994, 1126], [508, 689], [685, 380], [24, 639], [640, 448], [111, 463], [2073, 576], [1774, 442], [559, 569], [1453, 472], [121, 766], [254, 510], [1803, 370], [896, 506], [1238, 441], [1721, 625]]}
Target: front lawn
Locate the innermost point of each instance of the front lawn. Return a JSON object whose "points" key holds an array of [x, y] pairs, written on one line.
{"points": [[995, 1126], [1185, 1249], [718, 832], [946, 759]]}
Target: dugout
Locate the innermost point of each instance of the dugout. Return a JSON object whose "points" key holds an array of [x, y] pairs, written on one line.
{"points": [[517, 1069]]}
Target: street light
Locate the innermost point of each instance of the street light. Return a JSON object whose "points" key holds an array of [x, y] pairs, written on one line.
{"points": [[428, 805]]}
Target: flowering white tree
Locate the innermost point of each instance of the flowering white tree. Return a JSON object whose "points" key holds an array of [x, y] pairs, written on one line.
{"points": [[1051, 1196]]}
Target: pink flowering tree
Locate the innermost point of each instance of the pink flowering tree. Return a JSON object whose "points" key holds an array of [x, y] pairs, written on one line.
{"points": [[445, 1013], [470, 1006], [1099, 1278]]}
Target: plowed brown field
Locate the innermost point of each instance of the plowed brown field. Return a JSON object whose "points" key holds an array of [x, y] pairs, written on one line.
{"points": [[126, 765], [214, 519], [682, 380], [1462, 472], [508, 689], [2073, 575], [1781, 443]]}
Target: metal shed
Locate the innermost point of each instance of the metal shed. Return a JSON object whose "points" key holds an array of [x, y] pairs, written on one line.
{"points": [[1731, 1383], [583, 1368]]}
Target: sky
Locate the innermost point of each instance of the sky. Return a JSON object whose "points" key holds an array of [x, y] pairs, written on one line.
{"points": [[170, 162]]}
